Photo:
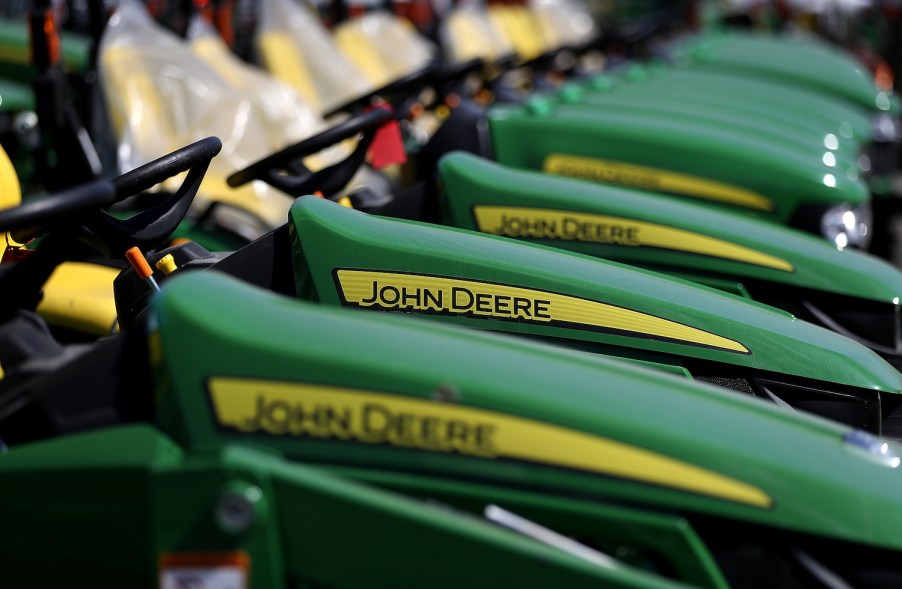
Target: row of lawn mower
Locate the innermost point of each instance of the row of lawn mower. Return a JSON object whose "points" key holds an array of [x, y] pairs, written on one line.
{"points": [[471, 299]]}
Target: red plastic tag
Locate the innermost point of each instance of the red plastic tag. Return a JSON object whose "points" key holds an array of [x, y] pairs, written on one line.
{"points": [[388, 145], [15, 254]]}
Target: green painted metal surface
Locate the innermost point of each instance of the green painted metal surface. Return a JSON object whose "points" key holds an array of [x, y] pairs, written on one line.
{"points": [[15, 97], [117, 507], [781, 181], [801, 62], [771, 96], [784, 130], [787, 145], [637, 536], [795, 472], [614, 89], [328, 238], [768, 252]]}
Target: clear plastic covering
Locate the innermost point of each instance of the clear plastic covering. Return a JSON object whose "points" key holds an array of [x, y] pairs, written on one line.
{"points": [[278, 108], [383, 46], [564, 22], [283, 114], [161, 96], [520, 28], [295, 47], [467, 33]]}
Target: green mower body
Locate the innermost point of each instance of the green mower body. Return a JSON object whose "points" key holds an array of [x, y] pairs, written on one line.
{"points": [[677, 479], [345, 258], [847, 291]]}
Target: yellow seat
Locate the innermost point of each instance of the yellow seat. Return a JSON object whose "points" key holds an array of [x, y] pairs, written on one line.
{"points": [[469, 34], [383, 46], [281, 58], [520, 28], [294, 46], [79, 297], [564, 22]]}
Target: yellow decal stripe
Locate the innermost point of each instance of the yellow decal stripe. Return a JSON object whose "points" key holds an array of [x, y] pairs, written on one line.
{"points": [[451, 296], [521, 222], [299, 409], [654, 179], [15, 54]]}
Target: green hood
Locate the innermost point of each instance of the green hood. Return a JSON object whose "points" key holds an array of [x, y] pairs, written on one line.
{"points": [[478, 192], [344, 257], [783, 129], [528, 416], [798, 62], [725, 89], [742, 174]]}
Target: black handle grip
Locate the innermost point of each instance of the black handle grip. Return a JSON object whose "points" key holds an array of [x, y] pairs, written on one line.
{"points": [[58, 208], [161, 169]]}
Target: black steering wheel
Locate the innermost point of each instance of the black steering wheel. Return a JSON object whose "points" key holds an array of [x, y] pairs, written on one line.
{"points": [[77, 214], [27, 220], [79, 210], [151, 227], [286, 171]]}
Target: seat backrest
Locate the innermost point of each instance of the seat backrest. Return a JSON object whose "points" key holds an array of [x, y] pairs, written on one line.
{"points": [[280, 57], [520, 28], [468, 33], [564, 22], [383, 46], [295, 46], [162, 96]]}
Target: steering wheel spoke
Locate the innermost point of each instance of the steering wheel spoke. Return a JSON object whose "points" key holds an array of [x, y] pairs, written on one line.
{"points": [[152, 226]]}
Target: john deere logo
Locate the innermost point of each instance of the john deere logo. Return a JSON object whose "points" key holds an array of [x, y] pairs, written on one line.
{"points": [[457, 300], [439, 295], [558, 225], [549, 224], [372, 420], [294, 412]]}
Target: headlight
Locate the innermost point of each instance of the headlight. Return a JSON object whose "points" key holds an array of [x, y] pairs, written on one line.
{"points": [[884, 128], [874, 447], [847, 226], [880, 156]]}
